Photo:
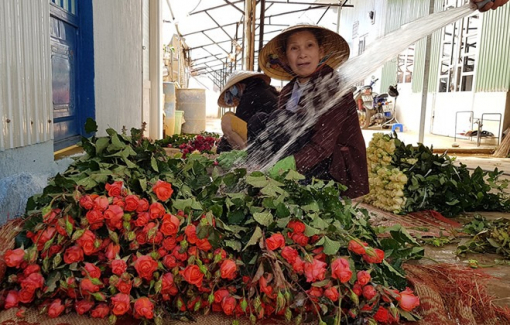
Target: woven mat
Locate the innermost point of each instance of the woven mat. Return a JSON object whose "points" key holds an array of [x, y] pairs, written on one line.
{"points": [[418, 224]]}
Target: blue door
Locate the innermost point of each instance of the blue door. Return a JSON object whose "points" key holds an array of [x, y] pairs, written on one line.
{"points": [[70, 44]]}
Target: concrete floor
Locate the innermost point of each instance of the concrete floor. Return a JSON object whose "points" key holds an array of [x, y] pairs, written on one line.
{"points": [[408, 137]]}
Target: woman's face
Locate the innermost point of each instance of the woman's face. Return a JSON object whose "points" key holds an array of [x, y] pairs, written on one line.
{"points": [[303, 54]]}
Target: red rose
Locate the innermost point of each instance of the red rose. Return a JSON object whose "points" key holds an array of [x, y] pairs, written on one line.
{"points": [[296, 226], [228, 305], [86, 285], [315, 271], [204, 245], [112, 251], [300, 239], [341, 270], [357, 289], [144, 308], [143, 206], [169, 243], [169, 261], [369, 292], [315, 293], [26, 295], [332, 294], [167, 282], [119, 200], [298, 266], [86, 242], [382, 316], [87, 202], [114, 189], [142, 219], [83, 306], [407, 300], [101, 203], [118, 266], [124, 286], [157, 210], [374, 256], [163, 190], [113, 216], [92, 271], [120, 304], [275, 241], [355, 247], [73, 254], [95, 218], [11, 300], [14, 257], [221, 252], [32, 268], [228, 269], [289, 254], [192, 275], [363, 277], [145, 266], [42, 236], [101, 311], [191, 234], [56, 308], [131, 203], [220, 294], [170, 225]]}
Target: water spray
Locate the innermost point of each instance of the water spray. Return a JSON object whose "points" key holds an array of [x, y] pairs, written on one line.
{"points": [[381, 51]]}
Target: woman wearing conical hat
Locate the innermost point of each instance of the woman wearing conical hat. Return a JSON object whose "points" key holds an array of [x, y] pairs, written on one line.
{"points": [[250, 92], [315, 130]]}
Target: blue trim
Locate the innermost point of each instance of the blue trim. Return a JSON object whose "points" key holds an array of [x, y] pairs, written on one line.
{"points": [[86, 75]]}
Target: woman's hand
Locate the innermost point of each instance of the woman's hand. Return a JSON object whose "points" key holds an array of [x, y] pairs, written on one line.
{"points": [[491, 5]]}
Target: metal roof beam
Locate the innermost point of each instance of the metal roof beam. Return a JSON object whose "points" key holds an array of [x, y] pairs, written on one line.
{"points": [[216, 7], [208, 14], [201, 31], [311, 3], [233, 5], [216, 44]]}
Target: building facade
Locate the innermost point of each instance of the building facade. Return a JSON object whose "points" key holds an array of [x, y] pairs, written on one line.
{"points": [[63, 61], [468, 77]]}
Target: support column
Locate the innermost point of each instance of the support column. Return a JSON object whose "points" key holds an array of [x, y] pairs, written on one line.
{"points": [[425, 88], [155, 123], [249, 34]]}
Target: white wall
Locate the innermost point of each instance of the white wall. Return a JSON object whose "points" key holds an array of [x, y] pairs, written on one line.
{"points": [[118, 63], [25, 74]]}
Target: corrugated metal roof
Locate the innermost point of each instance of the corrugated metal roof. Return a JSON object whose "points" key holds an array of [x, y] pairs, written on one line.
{"points": [[213, 29]]}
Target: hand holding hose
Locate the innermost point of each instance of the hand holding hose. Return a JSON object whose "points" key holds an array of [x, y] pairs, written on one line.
{"points": [[485, 5]]}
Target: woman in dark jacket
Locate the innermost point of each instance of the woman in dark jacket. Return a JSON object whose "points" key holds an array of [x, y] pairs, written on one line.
{"points": [[250, 92], [315, 129]]}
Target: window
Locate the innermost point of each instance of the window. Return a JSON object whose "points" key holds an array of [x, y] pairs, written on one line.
{"points": [[405, 65], [458, 52], [67, 5]]}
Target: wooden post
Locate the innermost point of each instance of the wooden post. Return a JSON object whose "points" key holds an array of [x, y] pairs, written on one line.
{"points": [[249, 33]]}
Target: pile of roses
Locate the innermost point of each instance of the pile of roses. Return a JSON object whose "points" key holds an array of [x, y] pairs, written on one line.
{"points": [[117, 239], [199, 144], [148, 262]]}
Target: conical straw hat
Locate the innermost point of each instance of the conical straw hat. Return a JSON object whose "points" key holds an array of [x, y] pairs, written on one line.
{"points": [[272, 56], [235, 77]]}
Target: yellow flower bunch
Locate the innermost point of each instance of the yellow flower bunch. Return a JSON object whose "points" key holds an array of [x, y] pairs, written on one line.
{"points": [[386, 181]]}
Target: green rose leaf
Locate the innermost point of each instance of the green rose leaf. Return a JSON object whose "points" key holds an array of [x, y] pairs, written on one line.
{"points": [[331, 247], [257, 234], [234, 244], [181, 204], [257, 181], [263, 218], [102, 144]]}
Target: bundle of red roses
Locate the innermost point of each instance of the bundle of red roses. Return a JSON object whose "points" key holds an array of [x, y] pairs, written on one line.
{"points": [[245, 245]]}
